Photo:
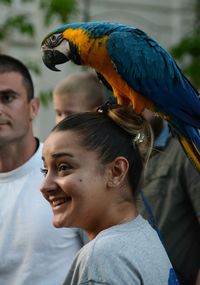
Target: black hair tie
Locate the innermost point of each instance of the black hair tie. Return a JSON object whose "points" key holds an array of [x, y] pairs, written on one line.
{"points": [[106, 106]]}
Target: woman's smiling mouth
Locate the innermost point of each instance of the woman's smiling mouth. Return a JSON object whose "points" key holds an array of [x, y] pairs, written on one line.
{"points": [[59, 201]]}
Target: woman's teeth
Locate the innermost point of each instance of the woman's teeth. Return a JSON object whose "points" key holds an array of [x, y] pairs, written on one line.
{"points": [[59, 201]]}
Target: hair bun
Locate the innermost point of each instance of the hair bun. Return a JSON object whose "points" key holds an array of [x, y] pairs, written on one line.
{"points": [[133, 123]]}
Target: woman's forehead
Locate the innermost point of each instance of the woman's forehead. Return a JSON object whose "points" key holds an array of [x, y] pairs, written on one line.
{"points": [[62, 139], [67, 144]]}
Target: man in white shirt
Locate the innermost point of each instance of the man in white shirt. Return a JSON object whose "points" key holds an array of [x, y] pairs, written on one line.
{"points": [[32, 251]]}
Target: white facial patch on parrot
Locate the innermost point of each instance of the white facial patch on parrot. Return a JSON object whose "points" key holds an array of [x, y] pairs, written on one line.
{"points": [[64, 48]]}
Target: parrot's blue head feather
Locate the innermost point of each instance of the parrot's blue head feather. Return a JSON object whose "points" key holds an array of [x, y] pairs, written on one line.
{"points": [[95, 29]]}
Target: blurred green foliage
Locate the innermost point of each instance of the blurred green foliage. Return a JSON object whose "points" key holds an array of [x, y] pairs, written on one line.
{"points": [[14, 21], [20, 23], [46, 97], [187, 51], [51, 9], [5, 2], [60, 9]]}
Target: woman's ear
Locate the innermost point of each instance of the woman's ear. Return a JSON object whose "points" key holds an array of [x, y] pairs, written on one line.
{"points": [[118, 169]]}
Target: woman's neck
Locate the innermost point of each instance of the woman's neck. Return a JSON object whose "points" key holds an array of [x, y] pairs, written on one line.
{"points": [[123, 213]]}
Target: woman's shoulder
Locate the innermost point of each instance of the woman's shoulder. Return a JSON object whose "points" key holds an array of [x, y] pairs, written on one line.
{"points": [[122, 237]]}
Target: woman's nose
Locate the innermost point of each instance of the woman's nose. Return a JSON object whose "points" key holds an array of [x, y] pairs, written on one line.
{"points": [[48, 185]]}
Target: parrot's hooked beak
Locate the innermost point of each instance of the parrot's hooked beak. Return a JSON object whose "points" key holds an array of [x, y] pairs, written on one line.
{"points": [[52, 56]]}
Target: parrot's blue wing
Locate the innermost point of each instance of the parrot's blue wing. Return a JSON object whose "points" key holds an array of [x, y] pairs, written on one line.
{"points": [[151, 71]]}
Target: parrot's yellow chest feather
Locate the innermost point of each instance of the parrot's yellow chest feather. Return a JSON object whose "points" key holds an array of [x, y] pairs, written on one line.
{"points": [[93, 53]]}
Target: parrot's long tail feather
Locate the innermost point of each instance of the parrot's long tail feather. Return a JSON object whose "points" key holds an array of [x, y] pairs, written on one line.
{"points": [[191, 151]]}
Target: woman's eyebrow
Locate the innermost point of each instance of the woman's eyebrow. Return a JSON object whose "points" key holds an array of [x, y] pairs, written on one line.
{"points": [[59, 154]]}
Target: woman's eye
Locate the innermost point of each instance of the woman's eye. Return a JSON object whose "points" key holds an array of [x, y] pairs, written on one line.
{"points": [[64, 167], [44, 171]]}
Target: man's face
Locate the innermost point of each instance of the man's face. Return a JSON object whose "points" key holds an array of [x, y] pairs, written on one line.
{"points": [[69, 104], [16, 113]]}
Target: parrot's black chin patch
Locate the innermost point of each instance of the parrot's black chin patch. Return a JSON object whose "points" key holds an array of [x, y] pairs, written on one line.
{"points": [[53, 57]]}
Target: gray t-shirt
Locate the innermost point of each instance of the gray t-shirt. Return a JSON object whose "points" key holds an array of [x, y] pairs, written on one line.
{"points": [[126, 254]]}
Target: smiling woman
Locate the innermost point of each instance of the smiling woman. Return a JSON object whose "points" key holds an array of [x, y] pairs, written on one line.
{"points": [[93, 166]]}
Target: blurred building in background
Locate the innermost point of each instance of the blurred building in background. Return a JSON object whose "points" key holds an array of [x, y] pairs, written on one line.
{"points": [[165, 21]]}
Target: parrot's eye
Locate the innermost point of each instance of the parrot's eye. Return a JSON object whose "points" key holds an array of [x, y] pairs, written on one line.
{"points": [[55, 39]]}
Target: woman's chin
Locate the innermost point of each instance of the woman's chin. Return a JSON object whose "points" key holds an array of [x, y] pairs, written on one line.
{"points": [[58, 223]]}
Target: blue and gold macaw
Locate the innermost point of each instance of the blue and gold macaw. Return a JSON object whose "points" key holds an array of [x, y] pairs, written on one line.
{"points": [[138, 70]]}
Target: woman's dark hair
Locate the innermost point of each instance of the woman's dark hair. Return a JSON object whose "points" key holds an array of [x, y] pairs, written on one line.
{"points": [[11, 64], [114, 131]]}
